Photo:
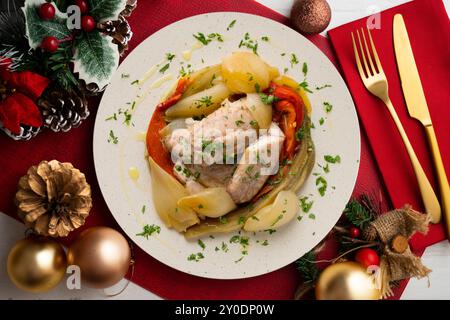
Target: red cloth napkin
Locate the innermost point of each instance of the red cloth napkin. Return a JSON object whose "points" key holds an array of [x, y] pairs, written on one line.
{"points": [[429, 30], [76, 147]]}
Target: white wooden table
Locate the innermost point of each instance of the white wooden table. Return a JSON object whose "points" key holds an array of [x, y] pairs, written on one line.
{"points": [[436, 257]]}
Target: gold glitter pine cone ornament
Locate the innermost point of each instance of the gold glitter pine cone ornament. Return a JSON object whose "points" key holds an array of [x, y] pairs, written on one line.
{"points": [[53, 198]]}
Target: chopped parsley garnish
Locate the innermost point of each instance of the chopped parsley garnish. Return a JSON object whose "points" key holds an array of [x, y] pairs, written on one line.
{"points": [[235, 239], [239, 122], [277, 219], [265, 38], [285, 70], [215, 36], [305, 204], [135, 82], [249, 43], [149, 230], [164, 68], [239, 260], [254, 123], [265, 243], [328, 107], [331, 159], [206, 101], [200, 206], [257, 87], [321, 121], [143, 208], [170, 56], [283, 54], [241, 220], [127, 117], [294, 60], [270, 231], [201, 244], [321, 183], [195, 257], [202, 38], [113, 117], [224, 247], [125, 75], [305, 69], [255, 218], [323, 87], [304, 130], [133, 105], [112, 138], [304, 85], [312, 216], [223, 220], [326, 168], [268, 99], [231, 25]]}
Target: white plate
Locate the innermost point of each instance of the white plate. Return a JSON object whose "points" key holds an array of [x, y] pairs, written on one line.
{"points": [[339, 135]]}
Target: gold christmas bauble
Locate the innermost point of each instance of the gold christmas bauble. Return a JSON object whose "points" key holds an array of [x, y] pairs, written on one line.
{"points": [[310, 16], [103, 256], [346, 281], [36, 264]]}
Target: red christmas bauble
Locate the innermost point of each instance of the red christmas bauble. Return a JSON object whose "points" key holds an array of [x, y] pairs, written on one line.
{"points": [[354, 232], [47, 11], [50, 44], [83, 5], [88, 23], [367, 257]]}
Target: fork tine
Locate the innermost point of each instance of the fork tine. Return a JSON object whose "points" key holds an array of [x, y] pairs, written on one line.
{"points": [[369, 56], [358, 61], [374, 50], [363, 55]]}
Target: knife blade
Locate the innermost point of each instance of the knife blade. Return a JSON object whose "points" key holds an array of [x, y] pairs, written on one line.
{"points": [[418, 108], [409, 75]]}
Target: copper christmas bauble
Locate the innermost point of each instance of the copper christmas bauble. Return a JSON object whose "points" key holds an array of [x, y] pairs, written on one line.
{"points": [[103, 256], [346, 281], [311, 16], [36, 264]]}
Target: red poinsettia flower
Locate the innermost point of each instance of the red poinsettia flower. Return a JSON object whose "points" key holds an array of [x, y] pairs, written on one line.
{"points": [[18, 93]]}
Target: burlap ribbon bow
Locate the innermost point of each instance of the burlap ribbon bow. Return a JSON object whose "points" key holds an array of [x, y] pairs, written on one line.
{"points": [[394, 229]]}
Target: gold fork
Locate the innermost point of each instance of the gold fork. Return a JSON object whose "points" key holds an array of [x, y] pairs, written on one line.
{"points": [[375, 81]]}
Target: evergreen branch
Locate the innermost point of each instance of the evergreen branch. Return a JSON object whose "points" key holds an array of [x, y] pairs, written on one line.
{"points": [[307, 267]]}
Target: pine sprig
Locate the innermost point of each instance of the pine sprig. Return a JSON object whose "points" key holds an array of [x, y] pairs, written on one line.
{"points": [[358, 214], [307, 267]]}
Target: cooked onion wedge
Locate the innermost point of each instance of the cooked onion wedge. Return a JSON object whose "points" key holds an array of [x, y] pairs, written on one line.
{"points": [[201, 103], [166, 191], [260, 111], [211, 202], [203, 79], [282, 211]]}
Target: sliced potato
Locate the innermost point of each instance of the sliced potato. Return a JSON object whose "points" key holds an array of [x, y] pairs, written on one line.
{"points": [[202, 79], [273, 216], [244, 72], [289, 82], [201, 103], [166, 191], [260, 111], [211, 202]]}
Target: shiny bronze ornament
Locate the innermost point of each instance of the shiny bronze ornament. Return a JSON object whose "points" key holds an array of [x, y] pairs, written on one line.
{"points": [[103, 256], [36, 264], [311, 16], [53, 198], [346, 281]]}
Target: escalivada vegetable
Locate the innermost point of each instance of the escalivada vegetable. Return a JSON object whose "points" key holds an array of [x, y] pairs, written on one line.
{"points": [[176, 95]]}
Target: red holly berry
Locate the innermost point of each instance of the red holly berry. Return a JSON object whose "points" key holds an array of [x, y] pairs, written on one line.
{"points": [[354, 232], [50, 44], [367, 257], [47, 11], [88, 23], [83, 5]]}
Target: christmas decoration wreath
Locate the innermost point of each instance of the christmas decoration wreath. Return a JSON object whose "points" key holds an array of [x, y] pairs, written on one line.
{"points": [[54, 54]]}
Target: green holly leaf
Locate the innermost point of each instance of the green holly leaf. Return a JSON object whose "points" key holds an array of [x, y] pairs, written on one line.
{"points": [[96, 58], [102, 10], [37, 29]]}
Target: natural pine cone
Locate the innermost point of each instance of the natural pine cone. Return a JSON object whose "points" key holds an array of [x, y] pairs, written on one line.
{"points": [[119, 30], [26, 133], [63, 110], [53, 198]]}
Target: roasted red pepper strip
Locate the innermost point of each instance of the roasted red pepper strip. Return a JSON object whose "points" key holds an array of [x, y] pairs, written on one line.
{"points": [[291, 105], [176, 96]]}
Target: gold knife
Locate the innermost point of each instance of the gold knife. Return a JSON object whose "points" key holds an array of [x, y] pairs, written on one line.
{"points": [[418, 108]]}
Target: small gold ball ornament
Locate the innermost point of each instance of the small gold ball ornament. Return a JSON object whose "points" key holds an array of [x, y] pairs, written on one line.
{"points": [[103, 256], [346, 281], [36, 264], [310, 16]]}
